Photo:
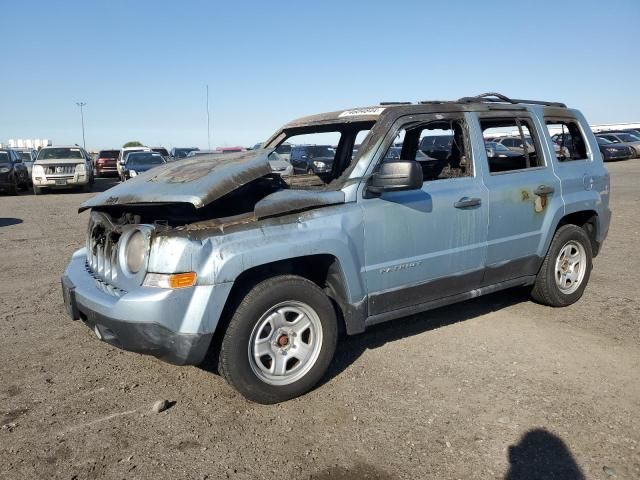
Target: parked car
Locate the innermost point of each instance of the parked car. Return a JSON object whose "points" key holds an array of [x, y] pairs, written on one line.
{"points": [[230, 149], [623, 138], [62, 167], [283, 150], [140, 162], [28, 156], [515, 144], [611, 151], [280, 165], [316, 159], [107, 163], [122, 158], [13, 172], [162, 151], [182, 152], [197, 153], [498, 150], [217, 255]]}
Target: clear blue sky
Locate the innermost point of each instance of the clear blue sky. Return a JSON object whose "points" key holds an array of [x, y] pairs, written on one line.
{"points": [[142, 66]]}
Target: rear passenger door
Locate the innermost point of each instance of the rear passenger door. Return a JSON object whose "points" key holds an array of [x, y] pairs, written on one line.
{"points": [[426, 244], [524, 194]]}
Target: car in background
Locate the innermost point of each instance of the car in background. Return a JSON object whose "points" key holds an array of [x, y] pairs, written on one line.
{"points": [[280, 165], [283, 150], [199, 153], [498, 150], [13, 172], [436, 146], [140, 162], [28, 156], [181, 152], [107, 163], [62, 167], [124, 153], [230, 149], [611, 151], [162, 151], [312, 159], [515, 144], [623, 138]]}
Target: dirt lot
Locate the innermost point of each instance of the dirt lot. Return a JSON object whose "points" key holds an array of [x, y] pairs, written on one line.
{"points": [[498, 387]]}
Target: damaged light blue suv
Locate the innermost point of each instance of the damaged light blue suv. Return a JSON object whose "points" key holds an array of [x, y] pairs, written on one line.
{"points": [[221, 255]]}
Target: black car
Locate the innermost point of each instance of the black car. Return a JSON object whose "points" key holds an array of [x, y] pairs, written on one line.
{"points": [[161, 150], [140, 162], [611, 151], [13, 173], [624, 139], [437, 146], [181, 152], [312, 158]]}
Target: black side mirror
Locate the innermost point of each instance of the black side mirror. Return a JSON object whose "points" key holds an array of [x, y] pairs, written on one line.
{"points": [[396, 176]]}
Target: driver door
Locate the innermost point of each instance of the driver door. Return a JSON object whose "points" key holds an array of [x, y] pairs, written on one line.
{"points": [[426, 244]]}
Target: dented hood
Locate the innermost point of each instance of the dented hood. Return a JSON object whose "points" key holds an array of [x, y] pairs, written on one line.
{"points": [[199, 180]]}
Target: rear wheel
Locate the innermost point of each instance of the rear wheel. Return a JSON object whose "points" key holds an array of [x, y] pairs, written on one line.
{"points": [[566, 268], [280, 341]]}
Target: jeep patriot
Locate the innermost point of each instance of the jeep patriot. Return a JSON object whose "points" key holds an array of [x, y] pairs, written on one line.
{"points": [[221, 255]]}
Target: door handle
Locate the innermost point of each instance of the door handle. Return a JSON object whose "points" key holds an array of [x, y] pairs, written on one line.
{"points": [[544, 190], [466, 202]]}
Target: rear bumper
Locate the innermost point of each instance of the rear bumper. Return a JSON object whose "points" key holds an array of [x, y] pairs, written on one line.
{"points": [[174, 325]]}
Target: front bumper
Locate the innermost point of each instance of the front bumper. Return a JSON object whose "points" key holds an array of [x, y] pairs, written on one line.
{"points": [[76, 180], [174, 325]]}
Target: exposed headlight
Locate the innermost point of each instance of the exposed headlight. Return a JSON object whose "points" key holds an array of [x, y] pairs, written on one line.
{"points": [[4, 170], [132, 173], [319, 164], [80, 168], [135, 252], [37, 170], [612, 150]]}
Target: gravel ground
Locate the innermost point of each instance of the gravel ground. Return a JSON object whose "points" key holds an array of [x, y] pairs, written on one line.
{"points": [[498, 387]]}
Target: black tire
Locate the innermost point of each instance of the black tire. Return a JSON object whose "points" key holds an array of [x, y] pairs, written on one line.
{"points": [[86, 187], [234, 364], [546, 290]]}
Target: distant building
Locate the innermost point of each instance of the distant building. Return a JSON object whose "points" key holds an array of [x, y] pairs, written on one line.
{"points": [[29, 143]]}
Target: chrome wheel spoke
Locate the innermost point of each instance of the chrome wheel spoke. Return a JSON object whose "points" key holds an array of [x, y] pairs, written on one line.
{"points": [[262, 347], [280, 364], [301, 324], [302, 351]]}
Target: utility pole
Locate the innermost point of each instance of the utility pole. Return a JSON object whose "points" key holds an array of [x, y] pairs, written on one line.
{"points": [[208, 122], [82, 104]]}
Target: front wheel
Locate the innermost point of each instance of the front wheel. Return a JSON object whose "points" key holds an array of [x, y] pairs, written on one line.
{"points": [[566, 269], [280, 341]]}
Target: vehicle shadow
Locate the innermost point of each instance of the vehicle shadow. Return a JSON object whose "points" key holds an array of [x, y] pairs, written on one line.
{"points": [[541, 454], [350, 348], [7, 222]]}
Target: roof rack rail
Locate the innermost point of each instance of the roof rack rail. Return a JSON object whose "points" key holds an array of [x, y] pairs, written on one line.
{"points": [[395, 103], [493, 97]]}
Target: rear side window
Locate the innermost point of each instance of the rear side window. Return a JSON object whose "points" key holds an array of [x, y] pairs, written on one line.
{"points": [[568, 142], [523, 149]]}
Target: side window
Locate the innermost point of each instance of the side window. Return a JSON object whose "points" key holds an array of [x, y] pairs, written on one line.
{"points": [[314, 153], [518, 152], [440, 147], [568, 141]]}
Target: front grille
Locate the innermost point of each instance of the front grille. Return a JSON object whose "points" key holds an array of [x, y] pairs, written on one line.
{"points": [[104, 286], [102, 250], [59, 169]]}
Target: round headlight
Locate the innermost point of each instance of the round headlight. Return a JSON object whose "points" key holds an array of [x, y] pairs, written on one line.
{"points": [[135, 252]]}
